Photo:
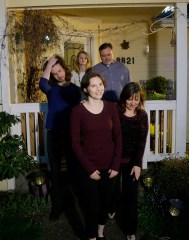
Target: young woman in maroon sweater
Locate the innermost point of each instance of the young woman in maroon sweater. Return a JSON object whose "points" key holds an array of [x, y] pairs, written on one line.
{"points": [[134, 125], [96, 141]]}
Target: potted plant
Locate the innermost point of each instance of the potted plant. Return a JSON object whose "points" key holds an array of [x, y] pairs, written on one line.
{"points": [[14, 159], [156, 88]]}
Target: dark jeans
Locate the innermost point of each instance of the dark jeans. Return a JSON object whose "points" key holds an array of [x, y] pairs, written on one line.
{"points": [[95, 199], [58, 146], [127, 215]]}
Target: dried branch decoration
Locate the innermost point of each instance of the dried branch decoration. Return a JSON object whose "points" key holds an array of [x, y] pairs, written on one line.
{"points": [[39, 32], [33, 34]]}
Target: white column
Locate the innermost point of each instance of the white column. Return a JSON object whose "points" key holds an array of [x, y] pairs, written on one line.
{"points": [[4, 69], [4, 79], [181, 77]]}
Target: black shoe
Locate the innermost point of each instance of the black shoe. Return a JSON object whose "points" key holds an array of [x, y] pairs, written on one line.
{"points": [[101, 238], [54, 215]]}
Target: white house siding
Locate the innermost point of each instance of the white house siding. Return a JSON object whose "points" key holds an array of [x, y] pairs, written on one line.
{"points": [[161, 55]]}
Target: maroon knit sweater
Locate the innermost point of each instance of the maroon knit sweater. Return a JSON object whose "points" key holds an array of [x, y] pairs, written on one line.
{"points": [[96, 138]]}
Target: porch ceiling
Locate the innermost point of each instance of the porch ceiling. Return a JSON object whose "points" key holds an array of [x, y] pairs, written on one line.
{"points": [[112, 14]]}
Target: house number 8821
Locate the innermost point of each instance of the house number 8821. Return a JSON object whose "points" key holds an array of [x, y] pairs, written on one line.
{"points": [[128, 60]]}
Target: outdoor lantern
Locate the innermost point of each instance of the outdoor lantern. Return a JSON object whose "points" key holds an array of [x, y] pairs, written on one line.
{"points": [[174, 211], [175, 207], [40, 180], [39, 183], [148, 181]]}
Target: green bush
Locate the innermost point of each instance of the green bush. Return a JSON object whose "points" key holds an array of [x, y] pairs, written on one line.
{"points": [[171, 175], [157, 84], [156, 88], [152, 215], [170, 181], [21, 217], [17, 227], [14, 159]]}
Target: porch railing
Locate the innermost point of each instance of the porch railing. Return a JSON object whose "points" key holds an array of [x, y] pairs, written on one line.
{"points": [[162, 132], [160, 140]]}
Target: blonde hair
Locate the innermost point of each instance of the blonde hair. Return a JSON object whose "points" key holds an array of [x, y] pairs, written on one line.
{"points": [[76, 66]]}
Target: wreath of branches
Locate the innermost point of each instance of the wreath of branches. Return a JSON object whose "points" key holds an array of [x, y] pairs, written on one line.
{"points": [[34, 33]]}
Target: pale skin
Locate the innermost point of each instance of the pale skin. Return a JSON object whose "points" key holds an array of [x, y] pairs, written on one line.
{"points": [[130, 111], [95, 105], [82, 62], [106, 55], [57, 71]]}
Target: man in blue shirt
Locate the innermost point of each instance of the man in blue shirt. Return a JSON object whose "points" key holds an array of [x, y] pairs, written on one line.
{"points": [[115, 73]]}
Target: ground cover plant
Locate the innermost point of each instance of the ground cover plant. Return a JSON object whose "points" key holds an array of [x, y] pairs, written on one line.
{"points": [[164, 206], [21, 216]]}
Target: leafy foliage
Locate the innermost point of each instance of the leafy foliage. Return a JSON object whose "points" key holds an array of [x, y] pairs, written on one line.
{"points": [[14, 159], [152, 210], [156, 88], [170, 181], [157, 84], [172, 177], [17, 227], [21, 217], [6, 121], [151, 95]]}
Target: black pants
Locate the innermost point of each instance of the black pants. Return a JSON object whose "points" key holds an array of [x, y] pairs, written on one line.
{"points": [[128, 216], [95, 199], [58, 145]]}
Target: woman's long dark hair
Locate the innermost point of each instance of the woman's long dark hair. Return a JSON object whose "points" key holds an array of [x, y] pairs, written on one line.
{"points": [[62, 63], [128, 91]]}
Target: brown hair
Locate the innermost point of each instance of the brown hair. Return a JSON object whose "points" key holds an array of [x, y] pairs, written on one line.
{"points": [[104, 46], [62, 63], [129, 90], [85, 82]]}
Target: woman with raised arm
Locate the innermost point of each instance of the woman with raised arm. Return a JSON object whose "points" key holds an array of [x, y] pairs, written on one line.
{"points": [[62, 96]]}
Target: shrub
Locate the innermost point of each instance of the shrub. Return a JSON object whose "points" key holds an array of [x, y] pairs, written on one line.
{"points": [[21, 217], [170, 181], [171, 175], [14, 159], [156, 88]]}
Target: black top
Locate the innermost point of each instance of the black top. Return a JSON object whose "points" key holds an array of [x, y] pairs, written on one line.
{"points": [[134, 135]]}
